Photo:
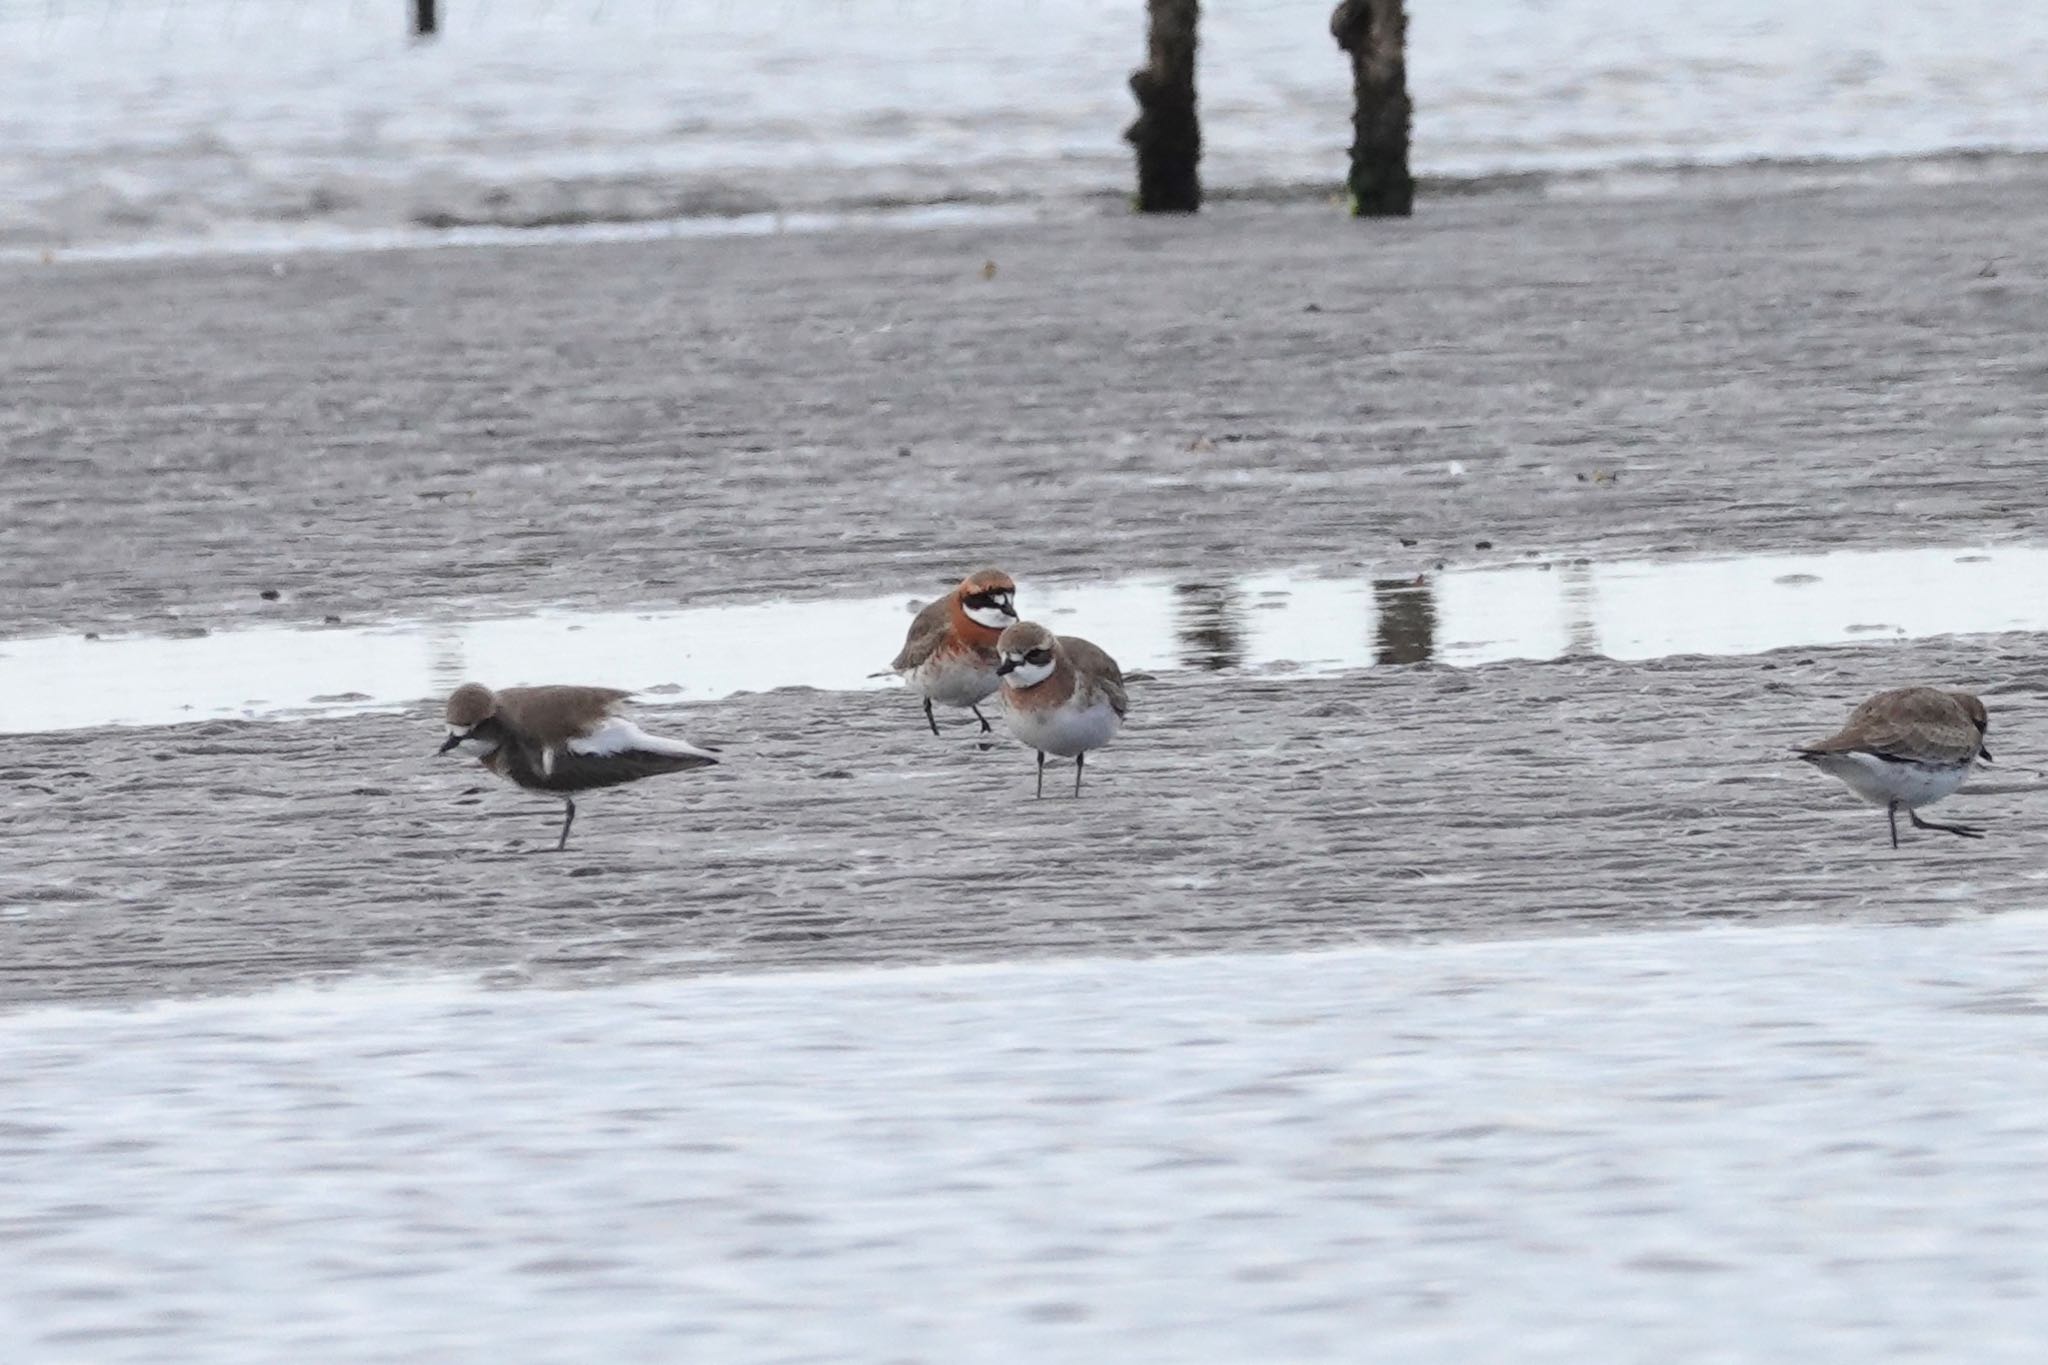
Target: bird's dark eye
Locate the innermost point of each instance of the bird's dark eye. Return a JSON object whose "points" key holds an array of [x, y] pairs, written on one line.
{"points": [[982, 601], [1038, 656]]}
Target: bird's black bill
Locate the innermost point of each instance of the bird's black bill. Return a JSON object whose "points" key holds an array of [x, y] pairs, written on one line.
{"points": [[449, 743], [1005, 666], [1983, 753]]}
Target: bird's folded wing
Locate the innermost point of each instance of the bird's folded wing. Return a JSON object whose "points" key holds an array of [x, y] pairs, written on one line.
{"points": [[1908, 740], [1092, 661], [615, 751], [615, 736], [1117, 700], [927, 633]]}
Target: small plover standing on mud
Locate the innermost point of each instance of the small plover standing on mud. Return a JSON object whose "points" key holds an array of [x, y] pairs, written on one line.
{"points": [[1904, 749], [949, 656], [1064, 695], [561, 740]]}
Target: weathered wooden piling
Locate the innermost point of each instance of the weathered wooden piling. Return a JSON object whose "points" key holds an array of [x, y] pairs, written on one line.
{"points": [[1375, 34], [1166, 133]]}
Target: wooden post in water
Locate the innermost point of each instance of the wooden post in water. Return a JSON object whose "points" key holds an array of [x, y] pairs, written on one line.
{"points": [[1375, 34], [1166, 133], [425, 22]]}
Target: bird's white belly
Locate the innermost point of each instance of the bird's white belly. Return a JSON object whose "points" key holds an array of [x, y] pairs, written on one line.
{"points": [[1881, 782], [955, 681], [1065, 730]]}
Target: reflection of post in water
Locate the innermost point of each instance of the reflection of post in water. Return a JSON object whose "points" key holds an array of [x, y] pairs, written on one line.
{"points": [[1406, 630], [1580, 608], [1208, 619]]}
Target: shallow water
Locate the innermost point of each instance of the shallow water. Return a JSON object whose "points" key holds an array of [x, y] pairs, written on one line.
{"points": [[165, 120], [1819, 1143], [1290, 623]]}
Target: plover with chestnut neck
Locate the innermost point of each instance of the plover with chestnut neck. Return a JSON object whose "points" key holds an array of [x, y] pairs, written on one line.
{"points": [[949, 657], [1064, 695], [561, 740], [1904, 749]]}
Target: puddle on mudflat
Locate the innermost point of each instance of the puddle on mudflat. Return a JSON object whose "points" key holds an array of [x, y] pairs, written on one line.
{"points": [[1285, 622]]}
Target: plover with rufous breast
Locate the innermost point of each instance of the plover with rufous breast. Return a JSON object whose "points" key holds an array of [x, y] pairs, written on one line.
{"points": [[949, 656], [1905, 749], [561, 740], [1063, 695]]}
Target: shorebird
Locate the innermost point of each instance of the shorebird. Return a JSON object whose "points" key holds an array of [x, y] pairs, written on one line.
{"points": [[562, 740], [1064, 695], [949, 656], [1904, 749]]}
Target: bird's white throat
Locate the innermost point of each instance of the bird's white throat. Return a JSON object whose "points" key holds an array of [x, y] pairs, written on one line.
{"points": [[1029, 675], [995, 618]]}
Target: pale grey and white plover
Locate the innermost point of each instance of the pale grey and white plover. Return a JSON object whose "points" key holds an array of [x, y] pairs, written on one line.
{"points": [[1064, 695], [1904, 749], [949, 657], [561, 740]]}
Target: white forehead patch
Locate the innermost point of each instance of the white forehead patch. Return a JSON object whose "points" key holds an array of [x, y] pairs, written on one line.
{"points": [[1028, 674]]}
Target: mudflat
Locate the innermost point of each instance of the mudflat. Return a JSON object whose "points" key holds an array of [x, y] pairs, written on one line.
{"points": [[378, 433], [439, 434], [1235, 813]]}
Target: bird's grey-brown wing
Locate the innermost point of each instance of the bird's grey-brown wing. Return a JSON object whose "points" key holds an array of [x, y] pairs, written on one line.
{"points": [[568, 770], [927, 633], [1097, 670], [602, 751], [555, 715], [1909, 724]]}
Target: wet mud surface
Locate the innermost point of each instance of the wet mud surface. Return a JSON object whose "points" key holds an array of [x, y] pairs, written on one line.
{"points": [[664, 424], [1236, 813], [461, 433]]}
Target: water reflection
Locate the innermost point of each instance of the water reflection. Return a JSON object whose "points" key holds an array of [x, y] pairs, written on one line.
{"points": [[1294, 623], [1581, 604], [1405, 632], [1209, 623]]}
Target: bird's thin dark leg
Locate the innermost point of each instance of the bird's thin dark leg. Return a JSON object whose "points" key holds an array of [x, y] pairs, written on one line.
{"points": [[1967, 831], [986, 728], [1891, 813], [1079, 759], [929, 718], [568, 819], [1041, 773]]}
